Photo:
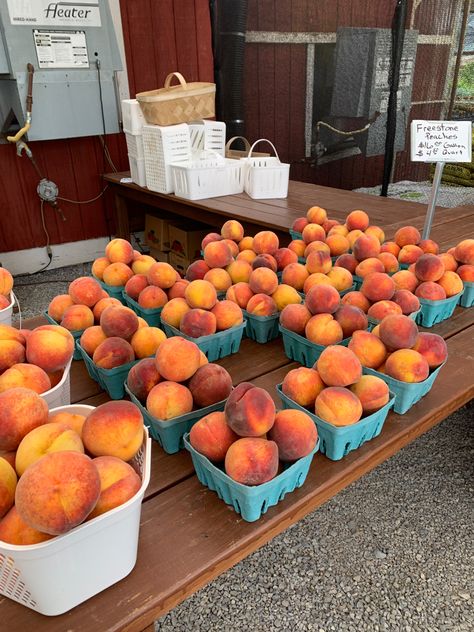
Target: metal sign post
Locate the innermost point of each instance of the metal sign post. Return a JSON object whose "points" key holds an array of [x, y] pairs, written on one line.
{"points": [[432, 200]]}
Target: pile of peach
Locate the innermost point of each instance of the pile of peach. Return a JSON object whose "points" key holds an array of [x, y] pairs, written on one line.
{"points": [[34, 359], [396, 348], [250, 438], [120, 263], [59, 469], [120, 337], [6, 286], [178, 380], [81, 306], [335, 389]]}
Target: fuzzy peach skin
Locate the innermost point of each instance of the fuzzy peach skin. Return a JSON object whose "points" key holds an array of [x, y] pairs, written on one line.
{"points": [[212, 437], [252, 461], [210, 237], [210, 384], [429, 246], [338, 229], [178, 289], [68, 420], [318, 261], [4, 302], [265, 242], [228, 314], [372, 392], [372, 264], [464, 252], [58, 492], [357, 299], [407, 235], [197, 323], [11, 353], [103, 304], [197, 270], [152, 297], [119, 250], [217, 254], [398, 332], [249, 256], [142, 264], [429, 267], [366, 246], [92, 338], [233, 246], [232, 229], [408, 302], [285, 295], [264, 261], [261, 305], [21, 410], [85, 291], [357, 220], [167, 400], [377, 232], [162, 275], [263, 281], [26, 376], [239, 293], [6, 282], [177, 359], [391, 247], [295, 434], [339, 366], [201, 294], [249, 410], [118, 483], [322, 299], [338, 244], [316, 246], [295, 317], [120, 321], [316, 279], [347, 261], [43, 440], [351, 319], [173, 311], [295, 274], [378, 286], [146, 340], [246, 243], [466, 272], [14, 530], [135, 285], [381, 309], [285, 256], [369, 349], [451, 283], [299, 224], [302, 385], [316, 215], [98, 267], [352, 235], [142, 377], [77, 318], [117, 274], [113, 352], [340, 278], [322, 329], [410, 254], [58, 306], [114, 429], [221, 279], [338, 406], [298, 246], [430, 291], [9, 457], [8, 481], [432, 347], [313, 232], [407, 365], [405, 280]]}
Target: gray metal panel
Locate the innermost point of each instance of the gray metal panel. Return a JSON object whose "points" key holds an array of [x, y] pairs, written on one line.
{"points": [[4, 68]]}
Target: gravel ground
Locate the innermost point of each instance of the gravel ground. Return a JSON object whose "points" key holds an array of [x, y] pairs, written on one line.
{"points": [[392, 552]]}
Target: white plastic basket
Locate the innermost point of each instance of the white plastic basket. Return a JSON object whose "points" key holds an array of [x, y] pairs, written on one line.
{"points": [[54, 576], [207, 136], [207, 177], [60, 395], [162, 146], [137, 170], [135, 145], [132, 116], [265, 178], [7, 312]]}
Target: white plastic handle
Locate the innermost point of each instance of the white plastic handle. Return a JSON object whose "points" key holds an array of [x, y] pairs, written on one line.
{"points": [[265, 140]]}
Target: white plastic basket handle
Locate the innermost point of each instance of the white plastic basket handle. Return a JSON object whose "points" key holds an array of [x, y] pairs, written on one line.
{"points": [[264, 140], [242, 138], [180, 78], [209, 153]]}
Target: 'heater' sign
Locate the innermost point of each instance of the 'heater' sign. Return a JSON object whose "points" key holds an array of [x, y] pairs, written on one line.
{"points": [[46, 13]]}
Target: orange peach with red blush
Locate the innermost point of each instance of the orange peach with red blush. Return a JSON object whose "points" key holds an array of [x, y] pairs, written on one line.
{"points": [[372, 264], [173, 311], [68, 420], [373, 393], [118, 320], [299, 224], [77, 317], [201, 294], [390, 262], [302, 385], [210, 237], [102, 304], [391, 247], [135, 285], [407, 235], [6, 282], [313, 232], [339, 366], [238, 271], [232, 229], [298, 246], [316, 215], [295, 274], [410, 254], [8, 481], [113, 352], [198, 322], [11, 352], [26, 376], [338, 244], [407, 365], [85, 291], [378, 286], [338, 406], [322, 329], [14, 530], [146, 340], [161, 274], [142, 377], [357, 299], [429, 267], [239, 293], [265, 261], [451, 283], [285, 256], [464, 251], [152, 297], [431, 291], [249, 410], [246, 243], [117, 274], [432, 347], [405, 280], [318, 261], [466, 273], [118, 483], [295, 317], [197, 270], [142, 264], [357, 220], [322, 299], [285, 295], [365, 247], [252, 461], [119, 250], [178, 289], [351, 319], [50, 347], [318, 278], [295, 434], [265, 242], [398, 332], [407, 301], [381, 309], [377, 232], [261, 305], [249, 256], [263, 281], [212, 437], [210, 384], [347, 261], [168, 399], [177, 359], [98, 267], [58, 306], [368, 348], [429, 246]]}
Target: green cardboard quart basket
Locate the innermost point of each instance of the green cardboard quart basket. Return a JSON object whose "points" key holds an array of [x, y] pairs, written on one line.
{"points": [[76, 334], [152, 315], [295, 234], [214, 346], [433, 312], [250, 502], [467, 297], [115, 291], [337, 441], [111, 380], [406, 394], [169, 434], [262, 329], [302, 350]]}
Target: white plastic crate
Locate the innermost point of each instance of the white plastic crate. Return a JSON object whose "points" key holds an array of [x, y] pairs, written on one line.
{"points": [[265, 178], [162, 146], [60, 395], [135, 145], [132, 117], [7, 312], [54, 576], [137, 170], [207, 177], [207, 136]]}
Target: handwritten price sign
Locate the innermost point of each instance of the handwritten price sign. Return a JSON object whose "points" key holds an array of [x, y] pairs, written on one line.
{"points": [[441, 141]]}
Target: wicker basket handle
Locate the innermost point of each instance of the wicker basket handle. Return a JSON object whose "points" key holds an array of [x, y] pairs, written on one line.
{"points": [[242, 138], [180, 78], [265, 140]]}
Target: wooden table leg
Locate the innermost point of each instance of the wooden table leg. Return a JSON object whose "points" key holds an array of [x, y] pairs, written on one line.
{"points": [[121, 217]]}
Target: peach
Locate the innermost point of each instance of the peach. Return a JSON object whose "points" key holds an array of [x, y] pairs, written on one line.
{"points": [[152, 297], [405, 280], [114, 429], [347, 261], [238, 272], [135, 285], [249, 256], [198, 322], [338, 406], [381, 309], [8, 481], [357, 299], [212, 437], [92, 338], [295, 434], [313, 232], [77, 317], [119, 250], [263, 281], [117, 274], [295, 318], [14, 530], [378, 286], [316, 246], [429, 268], [58, 492], [98, 267], [377, 232], [210, 384], [351, 319], [265, 261], [338, 244], [407, 301], [391, 247], [72, 421], [368, 348], [202, 358], [390, 262], [322, 329], [285, 256], [329, 223], [146, 340], [119, 321], [239, 293], [431, 291], [210, 237], [234, 248], [9, 457], [142, 264], [6, 282], [45, 439], [249, 410], [295, 274], [58, 306], [340, 278], [197, 270], [429, 246], [353, 235], [232, 229], [265, 242], [118, 483], [339, 366], [27, 376], [448, 261], [178, 289], [410, 254], [246, 243], [142, 377], [217, 254], [113, 352], [338, 229], [357, 220], [316, 215], [177, 359], [398, 332], [55, 377], [262, 305], [451, 283], [167, 400], [318, 261], [50, 347], [407, 235], [252, 461], [318, 278], [407, 365], [372, 264], [102, 304], [299, 224], [173, 311], [85, 291], [466, 272], [365, 246], [464, 251], [201, 294], [4, 302], [298, 246], [161, 274], [11, 352], [322, 299], [432, 347], [373, 393], [285, 295], [302, 385]]}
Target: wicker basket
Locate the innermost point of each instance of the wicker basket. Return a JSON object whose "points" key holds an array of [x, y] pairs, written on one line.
{"points": [[183, 103], [237, 154]]}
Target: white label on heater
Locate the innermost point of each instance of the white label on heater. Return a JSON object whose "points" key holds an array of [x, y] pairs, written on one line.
{"points": [[61, 49], [441, 141], [44, 12]]}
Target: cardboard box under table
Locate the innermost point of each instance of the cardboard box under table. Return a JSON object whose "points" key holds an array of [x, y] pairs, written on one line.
{"points": [[185, 240], [157, 232]]}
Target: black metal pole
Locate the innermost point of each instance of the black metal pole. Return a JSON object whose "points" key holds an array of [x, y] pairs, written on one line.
{"points": [[398, 37]]}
